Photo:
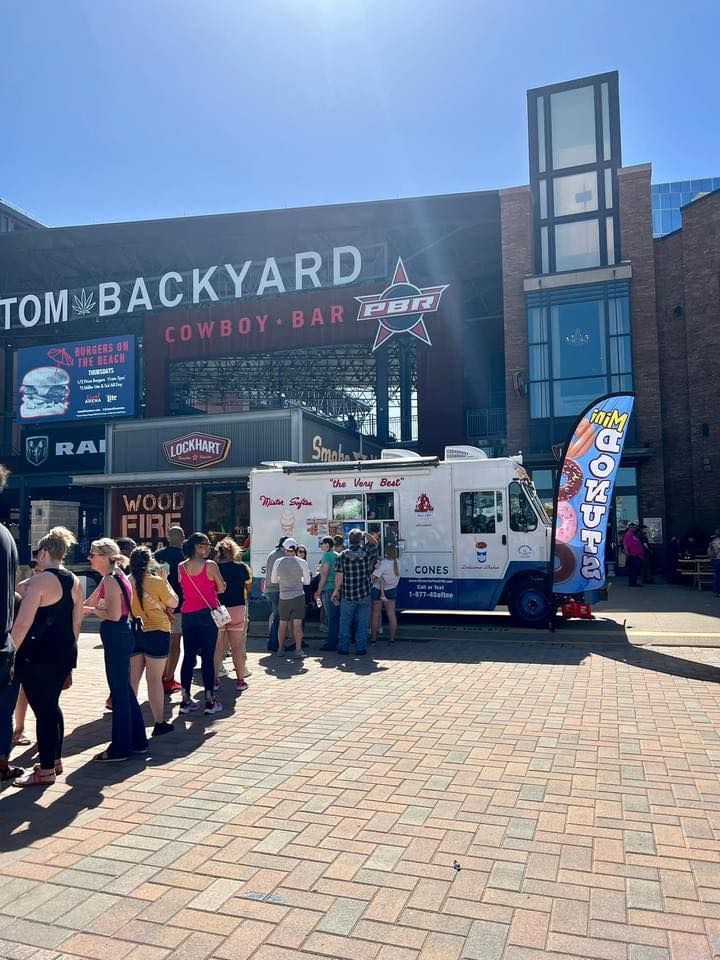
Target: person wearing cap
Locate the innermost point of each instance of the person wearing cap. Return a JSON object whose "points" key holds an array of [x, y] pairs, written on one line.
{"points": [[291, 574], [272, 592]]}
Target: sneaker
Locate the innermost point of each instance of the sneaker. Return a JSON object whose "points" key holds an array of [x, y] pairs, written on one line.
{"points": [[160, 728], [212, 706], [240, 686], [299, 655], [222, 672], [187, 706], [171, 686]]}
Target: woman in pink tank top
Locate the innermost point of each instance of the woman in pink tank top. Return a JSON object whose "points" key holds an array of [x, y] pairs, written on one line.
{"points": [[201, 582]]}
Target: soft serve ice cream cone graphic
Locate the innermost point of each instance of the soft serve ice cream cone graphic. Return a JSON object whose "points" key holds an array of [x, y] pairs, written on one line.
{"points": [[287, 522]]}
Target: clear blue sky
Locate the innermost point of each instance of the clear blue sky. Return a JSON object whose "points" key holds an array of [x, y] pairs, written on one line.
{"points": [[131, 109]]}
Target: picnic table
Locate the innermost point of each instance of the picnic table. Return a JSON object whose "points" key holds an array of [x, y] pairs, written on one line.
{"points": [[699, 568]]}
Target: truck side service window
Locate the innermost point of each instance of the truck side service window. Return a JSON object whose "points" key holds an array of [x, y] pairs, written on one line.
{"points": [[480, 511], [373, 512], [348, 507], [522, 516]]}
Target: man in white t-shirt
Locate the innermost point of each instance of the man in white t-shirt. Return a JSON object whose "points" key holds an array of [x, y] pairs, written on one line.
{"points": [[291, 573]]}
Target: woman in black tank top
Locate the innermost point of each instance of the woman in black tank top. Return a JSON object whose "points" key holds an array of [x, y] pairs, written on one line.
{"points": [[45, 635]]}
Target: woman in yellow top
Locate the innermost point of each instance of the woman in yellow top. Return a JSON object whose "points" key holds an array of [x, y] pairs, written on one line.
{"points": [[153, 601]]}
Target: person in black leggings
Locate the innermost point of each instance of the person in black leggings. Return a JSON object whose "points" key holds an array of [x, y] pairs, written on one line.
{"points": [[45, 635]]}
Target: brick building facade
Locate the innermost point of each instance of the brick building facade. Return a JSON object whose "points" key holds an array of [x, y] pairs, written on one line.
{"points": [[687, 266]]}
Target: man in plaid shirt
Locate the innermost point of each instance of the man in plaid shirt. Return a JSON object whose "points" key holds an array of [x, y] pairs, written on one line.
{"points": [[353, 582]]}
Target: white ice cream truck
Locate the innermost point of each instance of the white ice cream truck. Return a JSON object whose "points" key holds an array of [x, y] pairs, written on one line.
{"points": [[471, 531]]}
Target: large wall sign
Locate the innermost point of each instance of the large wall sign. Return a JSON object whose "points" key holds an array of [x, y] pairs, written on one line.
{"points": [[147, 513], [400, 308], [306, 270], [64, 449], [76, 381]]}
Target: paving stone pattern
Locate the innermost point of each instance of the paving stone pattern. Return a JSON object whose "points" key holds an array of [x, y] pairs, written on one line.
{"points": [[325, 812]]}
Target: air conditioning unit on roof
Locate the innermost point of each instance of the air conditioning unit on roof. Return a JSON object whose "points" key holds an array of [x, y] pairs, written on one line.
{"points": [[463, 452], [396, 454]]}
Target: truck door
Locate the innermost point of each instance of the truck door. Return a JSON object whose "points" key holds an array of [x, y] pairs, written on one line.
{"points": [[481, 534]]}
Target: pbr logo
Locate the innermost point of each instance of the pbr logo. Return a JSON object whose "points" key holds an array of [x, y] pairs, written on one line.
{"points": [[401, 308], [37, 450]]}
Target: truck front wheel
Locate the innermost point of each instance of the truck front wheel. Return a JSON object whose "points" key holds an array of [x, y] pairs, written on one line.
{"points": [[530, 605]]}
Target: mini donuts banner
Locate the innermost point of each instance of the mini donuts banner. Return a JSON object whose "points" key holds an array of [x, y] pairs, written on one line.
{"points": [[583, 494]]}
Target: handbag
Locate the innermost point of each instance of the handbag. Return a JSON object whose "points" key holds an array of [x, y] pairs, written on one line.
{"points": [[220, 614], [136, 623]]}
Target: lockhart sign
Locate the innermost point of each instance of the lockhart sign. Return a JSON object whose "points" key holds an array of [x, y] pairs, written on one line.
{"points": [[197, 450], [209, 284]]}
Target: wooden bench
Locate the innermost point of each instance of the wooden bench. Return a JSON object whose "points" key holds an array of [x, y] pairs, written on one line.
{"points": [[699, 568]]}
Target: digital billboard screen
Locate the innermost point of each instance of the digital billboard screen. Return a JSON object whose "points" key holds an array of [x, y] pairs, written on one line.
{"points": [[76, 381]]}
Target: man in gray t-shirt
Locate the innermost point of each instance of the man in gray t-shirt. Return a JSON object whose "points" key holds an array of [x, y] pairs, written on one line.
{"points": [[291, 573], [272, 593]]}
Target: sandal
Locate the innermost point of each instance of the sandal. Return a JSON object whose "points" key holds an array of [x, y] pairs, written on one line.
{"points": [[58, 767], [36, 779], [20, 740], [11, 773]]}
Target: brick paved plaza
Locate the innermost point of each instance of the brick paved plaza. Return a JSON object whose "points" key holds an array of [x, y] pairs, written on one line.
{"points": [[324, 813]]}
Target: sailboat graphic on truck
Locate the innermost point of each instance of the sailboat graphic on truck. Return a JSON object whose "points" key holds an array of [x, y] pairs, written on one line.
{"points": [[470, 531]]}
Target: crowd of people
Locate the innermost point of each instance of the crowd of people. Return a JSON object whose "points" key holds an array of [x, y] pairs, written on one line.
{"points": [[145, 603], [188, 599], [352, 587]]}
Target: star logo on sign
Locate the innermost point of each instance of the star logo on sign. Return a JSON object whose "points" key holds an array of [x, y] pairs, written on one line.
{"points": [[400, 308]]}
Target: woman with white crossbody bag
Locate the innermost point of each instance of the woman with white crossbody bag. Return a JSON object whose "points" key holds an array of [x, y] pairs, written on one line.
{"points": [[202, 616]]}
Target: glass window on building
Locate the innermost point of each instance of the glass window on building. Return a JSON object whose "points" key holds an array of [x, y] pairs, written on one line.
{"points": [[578, 350], [578, 339], [572, 118], [577, 245], [577, 193], [226, 513]]}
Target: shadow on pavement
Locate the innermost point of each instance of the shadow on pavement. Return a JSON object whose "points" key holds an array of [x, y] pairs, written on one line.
{"points": [[570, 644]]}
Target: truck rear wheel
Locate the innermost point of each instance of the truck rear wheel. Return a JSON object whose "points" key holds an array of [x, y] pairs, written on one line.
{"points": [[530, 605]]}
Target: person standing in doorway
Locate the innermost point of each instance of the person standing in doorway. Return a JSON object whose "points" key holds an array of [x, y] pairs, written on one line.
{"points": [[353, 576], [714, 554], [291, 574], [172, 556], [272, 593], [634, 553], [325, 588], [201, 583]]}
